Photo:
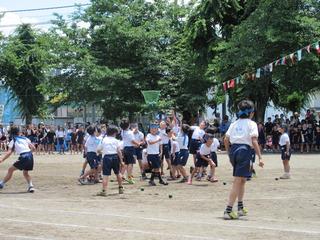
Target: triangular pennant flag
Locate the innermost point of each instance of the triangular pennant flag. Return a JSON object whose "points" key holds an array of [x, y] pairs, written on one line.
{"points": [[277, 62], [231, 83], [283, 61], [292, 57], [253, 76], [299, 53], [308, 48], [237, 80], [271, 67], [258, 73], [224, 86]]}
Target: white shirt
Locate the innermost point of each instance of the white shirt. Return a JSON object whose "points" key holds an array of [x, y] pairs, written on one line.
{"points": [[174, 147], [127, 138], [205, 150], [92, 143], [215, 145], [154, 148], [60, 134], [198, 133], [176, 129], [183, 140], [284, 139], [242, 131], [21, 145], [138, 136], [164, 136], [109, 145]]}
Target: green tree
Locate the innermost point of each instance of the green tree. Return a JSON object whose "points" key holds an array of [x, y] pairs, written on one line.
{"points": [[23, 69], [273, 29]]}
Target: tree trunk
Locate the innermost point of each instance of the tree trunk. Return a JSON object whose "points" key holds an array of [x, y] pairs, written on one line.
{"points": [[28, 119], [262, 101], [261, 106]]}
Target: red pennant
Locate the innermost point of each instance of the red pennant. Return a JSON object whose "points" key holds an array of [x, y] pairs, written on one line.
{"points": [[277, 62], [283, 61], [231, 83], [224, 86]]}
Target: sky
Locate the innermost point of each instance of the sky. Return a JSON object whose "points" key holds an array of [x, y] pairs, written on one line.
{"points": [[33, 17]]}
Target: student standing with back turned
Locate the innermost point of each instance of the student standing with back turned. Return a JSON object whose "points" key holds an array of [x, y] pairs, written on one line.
{"points": [[243, 135]]}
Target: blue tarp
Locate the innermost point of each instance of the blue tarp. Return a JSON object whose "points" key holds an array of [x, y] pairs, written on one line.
{"points": [[10, 109]]}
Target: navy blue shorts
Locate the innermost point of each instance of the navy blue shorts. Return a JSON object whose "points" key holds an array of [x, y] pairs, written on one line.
{"points": [[154, 160], [138, 153], [285, 156], [214, 158], [241, 160], [25, 162], [165, 151], [194, 146], [201, 162], [60, 141], [92, 160], [176, 160], [184, 156], [128, 155], [110, 162]]}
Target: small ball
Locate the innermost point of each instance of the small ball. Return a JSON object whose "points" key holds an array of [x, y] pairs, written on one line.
{"points": [[224, 183], [170, 196], [276, 179], [142, 189]]}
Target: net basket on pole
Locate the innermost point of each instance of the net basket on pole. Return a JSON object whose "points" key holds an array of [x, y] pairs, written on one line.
{"points": [[151, 97]]}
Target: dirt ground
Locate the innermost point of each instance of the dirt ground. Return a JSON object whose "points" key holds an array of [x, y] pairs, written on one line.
{"points": [[62, 209]]}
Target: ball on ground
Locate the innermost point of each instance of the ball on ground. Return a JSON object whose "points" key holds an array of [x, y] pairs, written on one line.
{"points": [[224, 183], [170, 196], [142, 189], [276, 179]]}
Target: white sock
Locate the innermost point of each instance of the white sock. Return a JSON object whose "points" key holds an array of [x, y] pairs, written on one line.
{"points": [[30, 184]]}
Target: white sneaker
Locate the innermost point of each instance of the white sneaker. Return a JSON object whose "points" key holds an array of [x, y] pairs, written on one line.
{"points": [[285, 176], [31, 189]]}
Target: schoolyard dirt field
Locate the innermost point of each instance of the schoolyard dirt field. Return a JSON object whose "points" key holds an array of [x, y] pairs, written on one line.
{"points": [[62, 209]]}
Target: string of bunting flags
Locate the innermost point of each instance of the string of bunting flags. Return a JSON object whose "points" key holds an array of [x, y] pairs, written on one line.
{"points": [[288, 59]]}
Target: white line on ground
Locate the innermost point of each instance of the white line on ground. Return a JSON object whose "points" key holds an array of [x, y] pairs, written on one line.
{"points": [[109, 229], [233, 223], [24, 237]]}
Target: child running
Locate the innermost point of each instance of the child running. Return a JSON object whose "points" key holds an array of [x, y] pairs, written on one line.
{"points": [[112, 159], [23, 147], [90, 150], [243, 135], [284, 143], [153, 150]]}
